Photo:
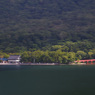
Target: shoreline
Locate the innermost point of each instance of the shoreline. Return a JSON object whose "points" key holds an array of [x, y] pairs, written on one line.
{"points": [[29, 64], [47, 64]]}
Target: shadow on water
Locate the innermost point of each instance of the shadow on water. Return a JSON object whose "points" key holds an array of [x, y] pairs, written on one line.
{"points": [[12, 67], [8, 67]]}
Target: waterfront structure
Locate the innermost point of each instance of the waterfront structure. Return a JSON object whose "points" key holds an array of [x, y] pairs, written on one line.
{"points": [[87, 61], [14, 59], [3, 60]]}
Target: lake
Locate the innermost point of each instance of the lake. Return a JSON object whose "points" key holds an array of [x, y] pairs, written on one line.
{"points": [[47, 80]]}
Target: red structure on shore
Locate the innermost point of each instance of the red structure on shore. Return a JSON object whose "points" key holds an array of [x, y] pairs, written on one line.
{"points": [[88, 61]]}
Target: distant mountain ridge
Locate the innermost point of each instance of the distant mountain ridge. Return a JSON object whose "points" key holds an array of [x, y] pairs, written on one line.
{"points": [[37, 8], [37, 23]]}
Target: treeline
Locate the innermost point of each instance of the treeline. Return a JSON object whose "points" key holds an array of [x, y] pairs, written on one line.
{"points": [[63, 53], [57, 56]]}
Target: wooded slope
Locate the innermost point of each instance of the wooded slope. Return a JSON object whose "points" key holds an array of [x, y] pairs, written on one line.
{"points": [[26, 24]]}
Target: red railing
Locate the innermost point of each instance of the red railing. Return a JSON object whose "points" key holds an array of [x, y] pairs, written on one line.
{"points": [[88, 61]]}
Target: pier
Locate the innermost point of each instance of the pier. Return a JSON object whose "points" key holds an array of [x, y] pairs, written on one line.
{"points": [[87, 61]]}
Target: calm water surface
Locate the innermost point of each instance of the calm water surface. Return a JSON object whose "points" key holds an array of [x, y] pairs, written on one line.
{"points": [[47, 80]]}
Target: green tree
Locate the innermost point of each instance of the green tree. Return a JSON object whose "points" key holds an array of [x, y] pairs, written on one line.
{"points": [[90, 54], [71, 57], [81, 55], [25, 57], [36, 55], [45, 58]]}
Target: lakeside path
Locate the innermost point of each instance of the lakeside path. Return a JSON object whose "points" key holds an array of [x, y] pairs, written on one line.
{"points": [[8, 64], [20, 64], [29, 64]]}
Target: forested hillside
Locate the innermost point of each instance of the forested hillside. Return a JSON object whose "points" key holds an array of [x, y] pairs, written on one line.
{"points": [[38, 24]]}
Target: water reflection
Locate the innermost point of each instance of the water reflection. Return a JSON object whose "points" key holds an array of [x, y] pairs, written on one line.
{"points": [[9, 67]]}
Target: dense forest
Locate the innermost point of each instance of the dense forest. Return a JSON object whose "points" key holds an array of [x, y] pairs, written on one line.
{"points": [[63, 53], [47, 25]]}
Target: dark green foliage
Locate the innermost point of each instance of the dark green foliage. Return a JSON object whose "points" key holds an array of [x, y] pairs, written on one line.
{"points": [[59, 31], [64, 53], [68, 52], [30, 24]]}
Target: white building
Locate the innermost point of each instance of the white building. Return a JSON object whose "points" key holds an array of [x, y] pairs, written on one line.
{"points": [[14, 59]]}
